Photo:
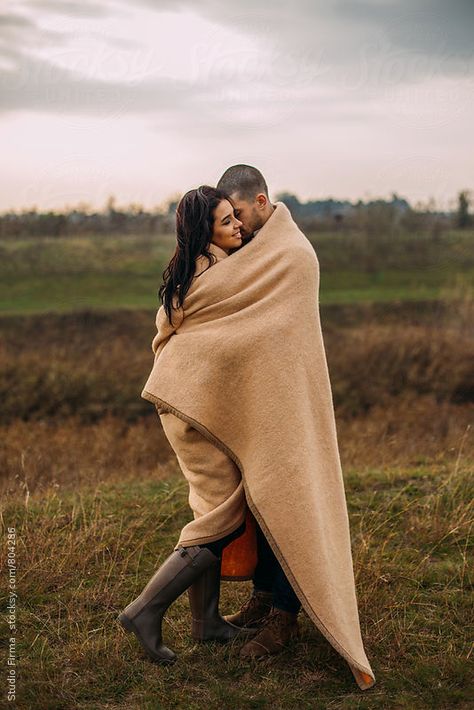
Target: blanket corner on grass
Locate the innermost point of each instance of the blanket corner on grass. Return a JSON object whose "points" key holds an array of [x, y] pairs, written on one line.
{"points": [[245, 364]]}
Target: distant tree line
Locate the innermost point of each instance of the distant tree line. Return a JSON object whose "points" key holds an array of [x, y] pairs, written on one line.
{"points": [[371, 217]]}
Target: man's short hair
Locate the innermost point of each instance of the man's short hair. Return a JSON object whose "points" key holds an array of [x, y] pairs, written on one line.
{"points": [[244, 180]]}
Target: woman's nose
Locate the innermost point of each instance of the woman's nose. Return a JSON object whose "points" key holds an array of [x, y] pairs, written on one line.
{"points": [[238, 222]]}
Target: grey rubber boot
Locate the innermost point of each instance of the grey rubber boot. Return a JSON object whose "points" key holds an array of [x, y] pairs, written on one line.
{"points": [[144, 615], [208, 624]]}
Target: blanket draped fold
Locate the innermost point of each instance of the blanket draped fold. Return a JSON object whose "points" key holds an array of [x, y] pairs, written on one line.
{"points": [[244, 363]]}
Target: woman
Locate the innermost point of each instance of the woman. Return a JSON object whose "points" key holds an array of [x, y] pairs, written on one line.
{"points": [[207, 230]]}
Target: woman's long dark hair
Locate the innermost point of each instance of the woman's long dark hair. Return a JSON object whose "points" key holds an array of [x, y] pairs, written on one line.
{"points": [[194, 225]]}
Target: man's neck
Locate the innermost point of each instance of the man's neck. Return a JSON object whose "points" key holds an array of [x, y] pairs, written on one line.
{"points": [[272, 211]]}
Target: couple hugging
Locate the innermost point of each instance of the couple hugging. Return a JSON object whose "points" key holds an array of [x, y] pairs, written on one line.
{"points": [[241, 385]]}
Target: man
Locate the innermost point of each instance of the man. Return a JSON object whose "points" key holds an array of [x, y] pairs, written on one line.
{"points": [[248, 190], [273, 607]]}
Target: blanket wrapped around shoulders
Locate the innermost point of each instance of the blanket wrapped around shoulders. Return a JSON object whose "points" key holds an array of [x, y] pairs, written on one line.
{"points": [[244, 363]]}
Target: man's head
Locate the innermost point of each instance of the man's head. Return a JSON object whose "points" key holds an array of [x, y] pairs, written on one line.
{"points": [[248, 191]]}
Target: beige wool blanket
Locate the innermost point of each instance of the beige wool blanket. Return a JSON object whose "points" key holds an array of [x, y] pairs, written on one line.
{"points": [[244, 363]]}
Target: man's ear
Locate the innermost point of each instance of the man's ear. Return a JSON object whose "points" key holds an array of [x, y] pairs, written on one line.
{"points": [[261, 200]]}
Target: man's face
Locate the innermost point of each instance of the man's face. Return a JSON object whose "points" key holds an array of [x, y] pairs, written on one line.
{"points": [[247, 213]]}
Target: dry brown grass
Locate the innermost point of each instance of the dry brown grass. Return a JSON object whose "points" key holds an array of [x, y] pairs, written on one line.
{"points": [[72, 413], [92, 365], [65, 454]]}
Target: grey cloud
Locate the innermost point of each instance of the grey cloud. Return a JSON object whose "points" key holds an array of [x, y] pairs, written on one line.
{"points": [[359, 48], [69, 7], [39, 85], [428, 26], [15, 21], [18, 30], [427, 37], [33, 83]]}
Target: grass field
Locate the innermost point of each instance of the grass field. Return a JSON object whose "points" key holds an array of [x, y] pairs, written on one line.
{"points": [[64, 274], [94, 492], [84, 555]]}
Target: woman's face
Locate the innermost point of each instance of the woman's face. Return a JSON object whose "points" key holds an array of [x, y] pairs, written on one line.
{"points": [[226, 229]]}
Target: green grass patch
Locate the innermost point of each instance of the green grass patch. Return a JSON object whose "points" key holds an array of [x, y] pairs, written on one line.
{"points": [[63, 293], [108, 272]]}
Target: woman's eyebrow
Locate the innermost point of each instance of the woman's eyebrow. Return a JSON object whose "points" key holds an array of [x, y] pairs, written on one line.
{"points": [[226, 217]]}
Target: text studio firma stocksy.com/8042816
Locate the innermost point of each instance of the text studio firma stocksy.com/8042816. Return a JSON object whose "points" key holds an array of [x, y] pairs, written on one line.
{"points": [[11, 614]]}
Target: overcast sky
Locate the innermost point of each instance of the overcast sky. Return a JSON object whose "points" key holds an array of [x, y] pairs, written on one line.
{"points": [[146, 99]]}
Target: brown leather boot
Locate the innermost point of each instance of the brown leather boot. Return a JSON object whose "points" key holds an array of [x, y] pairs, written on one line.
{"points": [[279, 629], [253, 613], [208, 624], [144, 614]]}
